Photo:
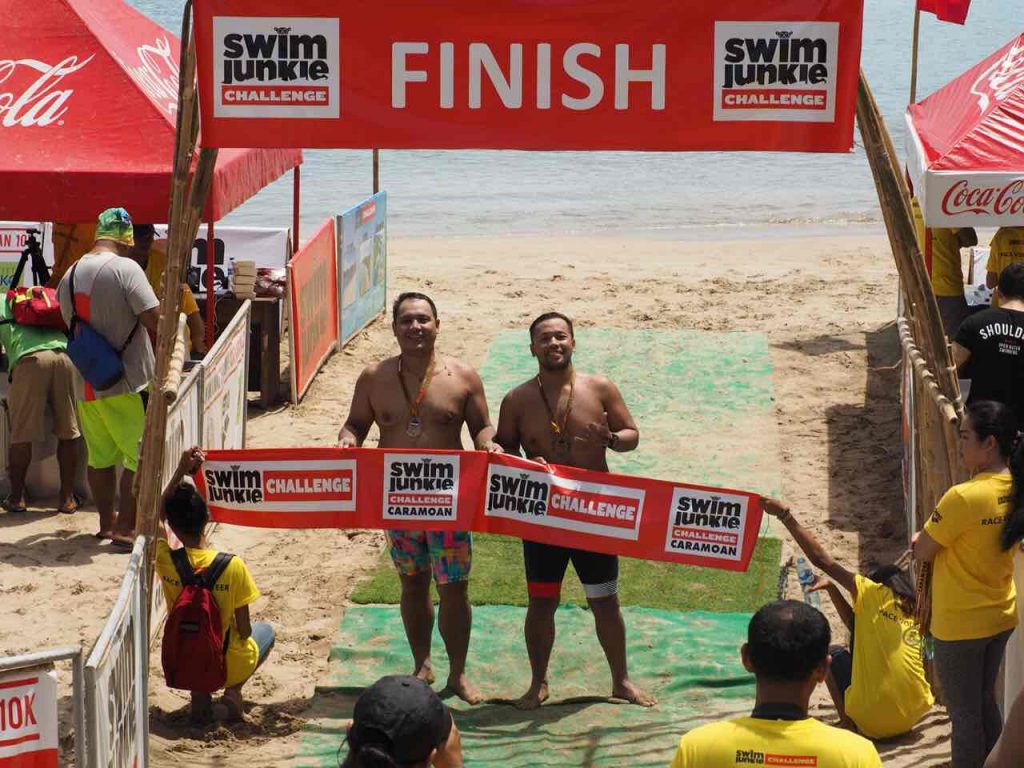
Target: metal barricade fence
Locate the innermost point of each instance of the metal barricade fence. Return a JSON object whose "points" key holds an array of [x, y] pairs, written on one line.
{"points": [[116, 676]]}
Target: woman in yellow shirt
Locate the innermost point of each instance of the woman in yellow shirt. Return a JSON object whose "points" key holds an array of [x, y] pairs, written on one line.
{"points": [[970, 538], [878, 684]]}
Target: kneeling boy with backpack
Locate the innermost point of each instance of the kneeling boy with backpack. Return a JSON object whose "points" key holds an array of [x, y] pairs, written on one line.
{"points": [[209, 642]]}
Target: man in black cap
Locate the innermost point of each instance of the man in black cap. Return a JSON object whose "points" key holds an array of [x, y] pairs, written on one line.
{"points": [[400, 721]]}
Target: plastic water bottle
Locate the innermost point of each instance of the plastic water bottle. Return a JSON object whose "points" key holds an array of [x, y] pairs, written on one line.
{"points": [[231, 275], [806, 576]]}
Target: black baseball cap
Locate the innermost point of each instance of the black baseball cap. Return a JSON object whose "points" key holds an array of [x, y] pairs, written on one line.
{"points": [[402, 714]]}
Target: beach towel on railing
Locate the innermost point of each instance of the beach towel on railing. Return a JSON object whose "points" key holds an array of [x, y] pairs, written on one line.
{"points": [[490, 493]]}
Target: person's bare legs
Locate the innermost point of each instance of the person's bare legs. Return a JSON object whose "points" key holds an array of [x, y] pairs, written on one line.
{"points": [[202, 708], [124, 528], [839, 699], [18, 459], [611, 633], [233, 702], [67, 459], [418, 618], [455, 621], [101, 483], [540, 639]]}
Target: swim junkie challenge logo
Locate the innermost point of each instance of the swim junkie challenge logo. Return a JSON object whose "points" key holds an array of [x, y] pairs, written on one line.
{"points": [[776, 71], [706, 524], [544, 499], [420, 487], [276, 67], [282, 486]]}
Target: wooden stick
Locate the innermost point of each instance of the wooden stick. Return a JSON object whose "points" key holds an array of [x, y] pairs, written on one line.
{"points": [[913, 56]]}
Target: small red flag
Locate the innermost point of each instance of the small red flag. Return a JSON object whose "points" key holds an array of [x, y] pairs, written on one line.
{"points": [[946, 10]]}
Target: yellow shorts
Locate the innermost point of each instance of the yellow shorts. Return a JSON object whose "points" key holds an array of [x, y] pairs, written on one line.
{"points": [[39, 379], [113, 428]]}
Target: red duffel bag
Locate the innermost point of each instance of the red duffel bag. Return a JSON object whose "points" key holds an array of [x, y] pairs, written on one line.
{"points": [[38, 306]]}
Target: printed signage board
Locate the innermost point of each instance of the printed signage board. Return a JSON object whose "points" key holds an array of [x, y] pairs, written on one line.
{"points": [[313, 294], [224, 384], [266, 246], [362, 264], [13, 240], [518, 74], [28, 718]]}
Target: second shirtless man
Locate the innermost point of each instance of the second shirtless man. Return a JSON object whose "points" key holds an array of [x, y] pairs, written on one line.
{"points": [[565, 417], [421, 400]]}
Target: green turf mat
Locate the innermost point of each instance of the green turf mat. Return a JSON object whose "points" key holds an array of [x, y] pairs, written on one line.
{"points": [[689, 661], [498, 579], [703, 400]]}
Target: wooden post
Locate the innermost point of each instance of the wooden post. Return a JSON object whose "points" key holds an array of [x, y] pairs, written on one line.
{"points": [[913, 56], [376, 171], [296, 191]]}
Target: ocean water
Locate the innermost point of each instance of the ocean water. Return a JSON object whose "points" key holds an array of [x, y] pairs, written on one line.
{"points": [[707, 195]]}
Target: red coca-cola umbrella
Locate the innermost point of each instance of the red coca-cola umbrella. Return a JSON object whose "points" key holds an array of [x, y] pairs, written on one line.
{"points": [[88, 96], [965, 145]]}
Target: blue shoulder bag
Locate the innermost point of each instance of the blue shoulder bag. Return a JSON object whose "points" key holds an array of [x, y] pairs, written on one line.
{"points": [[95, 358]]}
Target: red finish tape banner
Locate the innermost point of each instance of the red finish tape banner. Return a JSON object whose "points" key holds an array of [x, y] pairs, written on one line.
{"points": [[522, 74], [489, 493]]}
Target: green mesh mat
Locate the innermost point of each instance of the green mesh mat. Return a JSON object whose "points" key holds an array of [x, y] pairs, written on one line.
{"points": [[690, 661], [703, 401]]}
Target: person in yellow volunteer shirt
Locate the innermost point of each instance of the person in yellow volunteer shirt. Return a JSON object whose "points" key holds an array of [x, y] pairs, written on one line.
{"points": [[878, 684], [248, 644], [152, 260], [1007, 246], [970, 538], [941, 251], [787, 650]]}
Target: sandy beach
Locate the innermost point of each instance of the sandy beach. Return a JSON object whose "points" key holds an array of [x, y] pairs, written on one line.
{"points": [[826, 304]]}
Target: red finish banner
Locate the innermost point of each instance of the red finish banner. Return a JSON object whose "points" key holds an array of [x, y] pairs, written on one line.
{"points": [[489, 493], [521, 74], [313, 292]]}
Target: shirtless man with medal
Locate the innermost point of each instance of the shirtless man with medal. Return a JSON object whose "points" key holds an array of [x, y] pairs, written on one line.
{"points": [[564, 417], [419, 399]]}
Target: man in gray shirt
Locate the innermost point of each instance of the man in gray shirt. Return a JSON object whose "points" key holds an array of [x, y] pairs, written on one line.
{"points": [[113, 295]]}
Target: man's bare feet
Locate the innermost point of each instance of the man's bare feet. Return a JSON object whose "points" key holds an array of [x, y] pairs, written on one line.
{"points": [[462, 688], [233, 701], [534, 697], [630, 693], [425, 672]]}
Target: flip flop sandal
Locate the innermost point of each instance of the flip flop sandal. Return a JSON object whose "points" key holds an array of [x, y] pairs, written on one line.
{"points": [[123, 545], [12, 508], [77, 502]]}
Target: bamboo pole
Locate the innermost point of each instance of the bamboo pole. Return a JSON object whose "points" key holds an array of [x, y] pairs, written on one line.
{"points": [[183, 222], [169, 387], [894, 201]]}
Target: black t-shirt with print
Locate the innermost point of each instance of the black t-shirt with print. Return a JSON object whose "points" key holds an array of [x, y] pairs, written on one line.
{"points": [[995, 338]]}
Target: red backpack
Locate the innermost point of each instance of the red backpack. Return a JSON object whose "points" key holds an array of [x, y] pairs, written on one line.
{"points": [[193, 652]]}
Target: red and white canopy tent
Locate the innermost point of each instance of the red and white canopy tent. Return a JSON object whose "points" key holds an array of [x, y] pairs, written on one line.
{"points": [[965, 145], [88, 103]]}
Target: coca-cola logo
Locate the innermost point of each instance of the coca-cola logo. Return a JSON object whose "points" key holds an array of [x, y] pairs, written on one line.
{"points": [[40, 102], [962, 198], [1000, 79], [156, 73]]}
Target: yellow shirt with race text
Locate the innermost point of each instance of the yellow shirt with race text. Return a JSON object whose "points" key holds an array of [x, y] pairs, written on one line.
{"points": [[1007, 246], [889, 692], [750, 741], [972, 578], [942, 248], [154, 273], [234, 589]]}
